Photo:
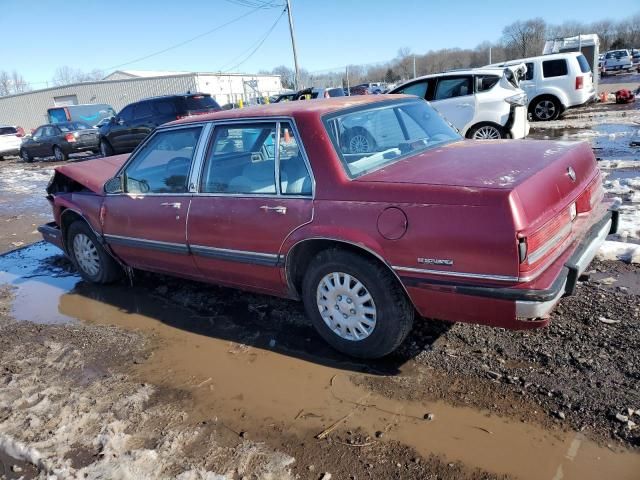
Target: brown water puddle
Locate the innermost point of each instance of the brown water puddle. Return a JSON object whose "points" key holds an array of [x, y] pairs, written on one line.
{"points": [[301, 392]]}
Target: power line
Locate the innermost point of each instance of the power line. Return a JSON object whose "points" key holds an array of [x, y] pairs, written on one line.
{"points": [[258, 44], [255, 3], [177, 45]]}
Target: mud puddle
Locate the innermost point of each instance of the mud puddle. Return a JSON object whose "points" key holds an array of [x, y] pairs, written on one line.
{"points": [[608, 140], [272, 382]]}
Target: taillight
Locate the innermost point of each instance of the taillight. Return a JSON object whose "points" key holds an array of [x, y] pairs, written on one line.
{"points": [[591, 195], [69, 137], [579, 82], [326, 94], [546, 238]]}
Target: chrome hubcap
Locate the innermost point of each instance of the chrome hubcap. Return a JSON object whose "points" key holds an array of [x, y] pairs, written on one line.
{"points": [[545, 109], [86, 254], [359, 144], [487, 133], [57, 153], [346, 306]]}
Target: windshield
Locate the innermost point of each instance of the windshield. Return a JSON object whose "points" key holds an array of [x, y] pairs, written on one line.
{"points": [[369, 138]]}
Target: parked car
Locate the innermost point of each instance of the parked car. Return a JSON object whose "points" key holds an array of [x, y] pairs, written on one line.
{"points": [[483, 104], [362, 89], [493, 233], [555, 82], [310, 93], [91, 114], [60, 140], [635, 58], [137, 120], [617, 61], [10, 140]]}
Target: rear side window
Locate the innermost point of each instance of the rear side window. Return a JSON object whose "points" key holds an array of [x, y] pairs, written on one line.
{"points": [[418, 89], [165, 107], [8, 131], [142, 110], [554, 68], [486, 82], [453, 87], [201, 102], [584, 65]]}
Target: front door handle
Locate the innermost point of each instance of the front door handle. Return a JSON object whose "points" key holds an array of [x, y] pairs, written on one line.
{"points": [[171, 204], [279, 209]]}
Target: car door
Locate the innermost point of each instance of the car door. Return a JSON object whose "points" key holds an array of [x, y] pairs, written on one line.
{"points": [[455, 100], [45, 146], [251, 196], [142, 123], [33, 146], [119, 135], [145, 224]]}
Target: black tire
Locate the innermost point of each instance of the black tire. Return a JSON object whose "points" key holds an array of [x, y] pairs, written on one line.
{"points": [[545, 108], [60, 154], [107, 271], [358, 140], [486, 131], [26, 156], [394, 311], [106, 150]]}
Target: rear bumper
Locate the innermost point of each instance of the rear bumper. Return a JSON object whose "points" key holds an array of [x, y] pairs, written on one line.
{"points": [[51, 233], [518, 124]]}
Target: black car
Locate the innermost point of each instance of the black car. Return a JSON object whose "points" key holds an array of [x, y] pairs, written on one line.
{"points": [[59, 140], [128, 128]]}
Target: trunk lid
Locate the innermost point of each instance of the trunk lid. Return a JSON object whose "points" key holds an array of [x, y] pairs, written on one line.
{"points": [[535, 172]]}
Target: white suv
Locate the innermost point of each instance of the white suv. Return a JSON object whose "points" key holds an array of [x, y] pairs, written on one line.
{"points": [[483, 104], [555, 82], [10, 141]]}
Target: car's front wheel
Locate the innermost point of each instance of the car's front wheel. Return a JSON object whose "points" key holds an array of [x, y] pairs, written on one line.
{"points": [[26, 156], [486, 132], [356, 304], [89, 257]]}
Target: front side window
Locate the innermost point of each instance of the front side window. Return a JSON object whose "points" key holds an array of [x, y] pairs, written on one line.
{"points": [[369, 138], [418, 89], [554, 68], [453, 87], [241, 160], [126, 114], [294, 175], [162, 165], [142, 110]]}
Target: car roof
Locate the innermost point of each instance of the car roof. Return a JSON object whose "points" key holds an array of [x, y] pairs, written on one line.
{"points": [[551, 56], [290, 109], [174, 95]]}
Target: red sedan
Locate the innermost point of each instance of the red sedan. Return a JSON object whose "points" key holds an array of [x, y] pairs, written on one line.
{"points": [[370, 209]]}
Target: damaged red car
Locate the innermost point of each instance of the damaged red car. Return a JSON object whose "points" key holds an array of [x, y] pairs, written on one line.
{"points": [[372, 210]]}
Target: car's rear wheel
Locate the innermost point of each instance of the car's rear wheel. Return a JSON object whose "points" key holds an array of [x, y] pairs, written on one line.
{"points": [[25, 156], [105, 149], [544, 109], [486, 132], [89, 257], [60, 155], [356, 304]]}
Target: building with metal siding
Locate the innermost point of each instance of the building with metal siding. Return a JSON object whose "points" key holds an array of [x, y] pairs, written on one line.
{"points": [[29, 109]]}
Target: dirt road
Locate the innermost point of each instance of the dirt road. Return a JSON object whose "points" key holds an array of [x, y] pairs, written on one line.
{"points": [[165, 378]]}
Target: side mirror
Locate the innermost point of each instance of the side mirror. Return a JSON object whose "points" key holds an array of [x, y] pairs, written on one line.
{"points": [[113, 185]]}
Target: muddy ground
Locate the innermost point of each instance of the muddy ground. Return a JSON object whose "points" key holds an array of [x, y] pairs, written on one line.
{"points": [[165, 378]]}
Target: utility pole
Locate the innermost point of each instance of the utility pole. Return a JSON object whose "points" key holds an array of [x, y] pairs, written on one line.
{"points": [[348, 86], [489, 55], [414, 66], [293, 44]]}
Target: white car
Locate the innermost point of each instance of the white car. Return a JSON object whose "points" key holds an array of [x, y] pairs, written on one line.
{"points": [[555, 83], [10, 141], [483, 104], [617, 61]]}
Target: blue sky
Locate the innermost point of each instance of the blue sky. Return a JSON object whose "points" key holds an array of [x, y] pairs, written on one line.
{"points": [[40, 35]]}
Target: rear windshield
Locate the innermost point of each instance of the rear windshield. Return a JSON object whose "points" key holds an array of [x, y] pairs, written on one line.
{"points": [[8, 131], [584, 65], [71, 126], [201, 102], [369, 138]]}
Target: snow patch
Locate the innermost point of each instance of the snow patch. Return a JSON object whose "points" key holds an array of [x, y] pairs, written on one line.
{"points": [[627, 252]]}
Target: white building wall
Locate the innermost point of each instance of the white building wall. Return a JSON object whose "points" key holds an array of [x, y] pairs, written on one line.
{"points": [[231, 88]]}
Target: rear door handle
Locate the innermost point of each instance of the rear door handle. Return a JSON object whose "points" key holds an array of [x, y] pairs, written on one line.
{"points": [[463, 105], [171, 204], [279, 209]]}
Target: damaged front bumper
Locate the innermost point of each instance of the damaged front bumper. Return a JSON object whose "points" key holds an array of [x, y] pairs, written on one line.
{"points": [[51, 233]]}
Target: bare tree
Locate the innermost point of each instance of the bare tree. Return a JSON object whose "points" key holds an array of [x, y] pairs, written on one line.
{"points": [[66, 75], [5, 83], [525, 38], [287, 75], [20, 85]]}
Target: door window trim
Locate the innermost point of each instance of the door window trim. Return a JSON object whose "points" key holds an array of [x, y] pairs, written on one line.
{"points": [[202, 142], [198, 165]]}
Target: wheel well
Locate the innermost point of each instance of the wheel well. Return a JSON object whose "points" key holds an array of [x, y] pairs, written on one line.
{"points": [[301, 254], [67, 217]]}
